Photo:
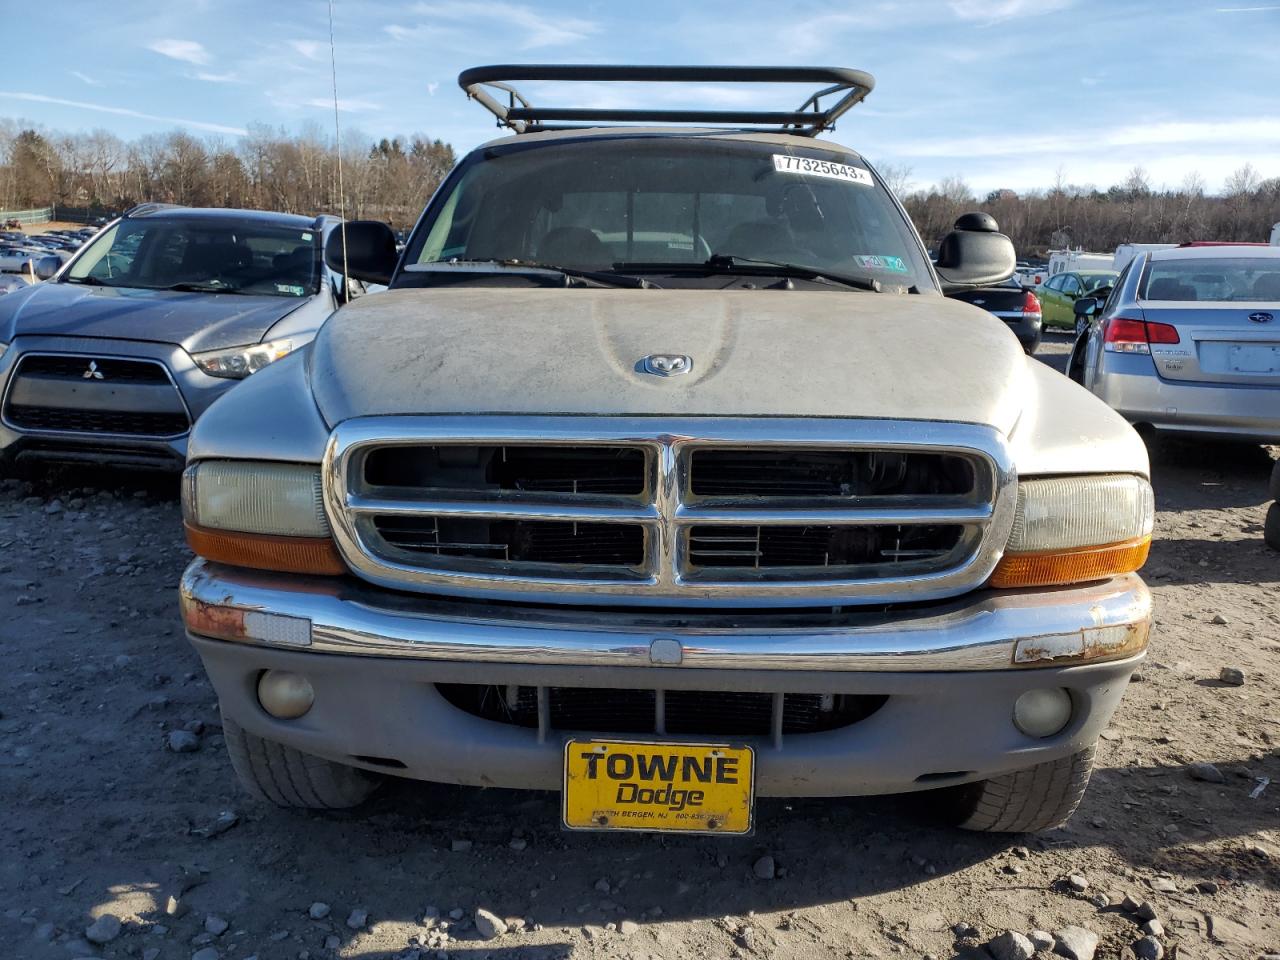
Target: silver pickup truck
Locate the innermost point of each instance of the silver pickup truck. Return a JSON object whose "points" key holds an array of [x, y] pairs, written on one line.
{"points": [[665, 476]]}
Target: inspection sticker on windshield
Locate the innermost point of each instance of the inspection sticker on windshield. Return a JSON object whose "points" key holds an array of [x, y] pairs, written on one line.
{"points": [[821, 168]]}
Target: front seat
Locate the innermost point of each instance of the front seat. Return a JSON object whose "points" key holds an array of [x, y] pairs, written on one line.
{"points": [[1166, 288], [573, 247]]}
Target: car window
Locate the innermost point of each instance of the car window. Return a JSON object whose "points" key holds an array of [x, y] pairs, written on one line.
{"points": [[1071, 284], [1220, 280], [1094, 281], [1054, 283], [599, 204], [1114, 295], [219, 255]]}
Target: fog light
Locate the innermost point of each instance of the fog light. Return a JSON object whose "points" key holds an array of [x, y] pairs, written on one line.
{"points": [[285, 695], [1042, 713]]}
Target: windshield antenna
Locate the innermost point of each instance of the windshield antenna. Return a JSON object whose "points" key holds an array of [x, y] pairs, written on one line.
{"points": [[337, 142]]}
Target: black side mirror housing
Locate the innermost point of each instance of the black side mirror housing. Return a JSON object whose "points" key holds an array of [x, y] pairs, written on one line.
{"points": [[1085, 306], [371, 251], [974, 254], [46, 267]]}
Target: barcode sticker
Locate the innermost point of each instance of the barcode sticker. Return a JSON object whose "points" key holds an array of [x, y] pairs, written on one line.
{"points": [[822, 168]]}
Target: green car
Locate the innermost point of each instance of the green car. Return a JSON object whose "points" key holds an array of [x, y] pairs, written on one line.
{"points": [[1060, 292]]}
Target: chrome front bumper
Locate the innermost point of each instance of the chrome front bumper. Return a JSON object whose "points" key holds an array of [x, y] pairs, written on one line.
{"points": [[990, 630]]}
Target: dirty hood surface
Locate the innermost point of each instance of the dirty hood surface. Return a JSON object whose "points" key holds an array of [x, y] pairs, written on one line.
{"points": [[755, 353], [194, 321]]}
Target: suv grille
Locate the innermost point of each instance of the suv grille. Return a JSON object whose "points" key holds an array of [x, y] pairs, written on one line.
{"points": [[704, 512], [719, 713], [108, 396]]}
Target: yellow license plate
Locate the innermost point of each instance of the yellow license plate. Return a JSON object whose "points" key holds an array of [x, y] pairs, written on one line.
{"points": [[664, 787]]}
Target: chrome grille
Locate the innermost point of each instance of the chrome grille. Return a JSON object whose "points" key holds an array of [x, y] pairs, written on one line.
{"points": [[709, 512]]}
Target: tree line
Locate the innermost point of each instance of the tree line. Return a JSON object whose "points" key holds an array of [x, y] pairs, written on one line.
{"points": [[268, 169], [1068, 215], [391, 179]]}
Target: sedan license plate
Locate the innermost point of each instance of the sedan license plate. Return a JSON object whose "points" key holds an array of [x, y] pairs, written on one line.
{"points": [[1254, 358], [658, 787]]}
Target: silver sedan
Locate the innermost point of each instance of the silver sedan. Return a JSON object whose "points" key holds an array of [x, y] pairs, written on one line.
{"points": [[1188, 342]]}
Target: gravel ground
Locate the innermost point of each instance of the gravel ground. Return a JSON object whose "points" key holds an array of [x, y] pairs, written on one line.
{"points": [[153, 853]]}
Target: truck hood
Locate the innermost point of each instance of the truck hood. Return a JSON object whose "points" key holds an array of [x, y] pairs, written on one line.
{"points": [[194, 321], [754, 352]]}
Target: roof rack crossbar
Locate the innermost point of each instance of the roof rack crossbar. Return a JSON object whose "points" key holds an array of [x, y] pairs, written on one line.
{"points": [[521, 116]]}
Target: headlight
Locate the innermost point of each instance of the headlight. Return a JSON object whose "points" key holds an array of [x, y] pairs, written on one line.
{"points": [[255, 514], [236, 363], [1073, 529]]}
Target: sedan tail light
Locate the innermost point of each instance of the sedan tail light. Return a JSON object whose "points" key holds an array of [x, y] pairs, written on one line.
{"points": [[1030, 304], [1123, 335]]}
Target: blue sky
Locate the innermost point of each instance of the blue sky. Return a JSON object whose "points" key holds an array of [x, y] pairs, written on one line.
{"points": [[1004, 93]]}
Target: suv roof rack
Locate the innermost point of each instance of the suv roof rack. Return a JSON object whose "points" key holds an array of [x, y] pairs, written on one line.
{"points": [[850, 87]]}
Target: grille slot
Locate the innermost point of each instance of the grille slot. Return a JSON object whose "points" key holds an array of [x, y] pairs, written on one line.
{"points": [[97, 421], [669, 511], [820, 546], [721, 713], [827, 473], [615, 471], [65, 367], [515, 541]]}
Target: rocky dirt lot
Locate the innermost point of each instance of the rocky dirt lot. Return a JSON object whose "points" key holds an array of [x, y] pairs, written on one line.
{"points": [[118, 845]]}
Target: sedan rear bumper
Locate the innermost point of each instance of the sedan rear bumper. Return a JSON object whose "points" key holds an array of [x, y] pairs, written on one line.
{"points": [[1203, 409]]}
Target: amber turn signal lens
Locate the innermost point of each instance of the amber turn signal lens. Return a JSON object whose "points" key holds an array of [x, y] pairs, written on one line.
{"points": [[1054, 568], [315, 555]]}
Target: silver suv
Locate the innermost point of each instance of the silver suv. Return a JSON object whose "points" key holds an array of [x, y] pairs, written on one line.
{"points": [[664, 476]]}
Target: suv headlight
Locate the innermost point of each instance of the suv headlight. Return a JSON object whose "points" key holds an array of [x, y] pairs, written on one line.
{"points": [[1072, 529], [258, 514], [236, 363]]}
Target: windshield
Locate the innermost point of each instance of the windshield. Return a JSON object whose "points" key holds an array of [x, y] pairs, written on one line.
{"points": [[217, 256], [639, 203], [1214, 280], [1094, 281]]}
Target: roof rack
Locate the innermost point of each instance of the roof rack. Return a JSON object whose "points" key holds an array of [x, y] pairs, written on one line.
{"points": [[849, 87], [146, 209]]}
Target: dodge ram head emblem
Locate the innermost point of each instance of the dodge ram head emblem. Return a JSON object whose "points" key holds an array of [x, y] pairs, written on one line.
{"points": [[1261, 317], [92, 373], [666, 364]]}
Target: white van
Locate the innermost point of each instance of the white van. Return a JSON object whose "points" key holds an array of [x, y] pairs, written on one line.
{"points": [[1061, 261]]}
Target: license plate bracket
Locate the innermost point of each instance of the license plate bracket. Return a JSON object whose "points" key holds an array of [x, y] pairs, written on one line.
{"points": [[658, 787]]}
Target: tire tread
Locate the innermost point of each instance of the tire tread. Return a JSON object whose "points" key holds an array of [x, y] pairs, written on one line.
{"points": [[1025, 801], [290, 778]]}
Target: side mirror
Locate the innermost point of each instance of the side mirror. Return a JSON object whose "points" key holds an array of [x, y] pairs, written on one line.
{"points": [[974, 254], [371, 251], [46, 267], [1086, 306]]}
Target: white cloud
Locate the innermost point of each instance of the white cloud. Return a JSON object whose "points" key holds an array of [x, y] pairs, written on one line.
{"points": [[85, 78], [535, 29], [1247, 9], [992, 11], [345, 105], [218, 77], [311, 49], [122, 112], [189, 51], [432, 88]]}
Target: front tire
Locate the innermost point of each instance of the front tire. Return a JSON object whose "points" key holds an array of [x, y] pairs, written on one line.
{"points": [[290, 778], [1025, 801], [1271, 528]]}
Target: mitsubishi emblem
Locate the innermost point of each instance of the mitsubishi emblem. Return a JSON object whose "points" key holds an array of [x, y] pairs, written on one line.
{"points": [[666, 364], [93, 373]]}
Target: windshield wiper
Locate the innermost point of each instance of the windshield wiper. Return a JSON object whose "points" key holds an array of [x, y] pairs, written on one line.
{"points": [[90, 281], [530, 268], [199, 288], [754, 266]]}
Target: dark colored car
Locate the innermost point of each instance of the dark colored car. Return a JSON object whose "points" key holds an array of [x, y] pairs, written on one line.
{"points": [[114, 358], [1016, 305]]}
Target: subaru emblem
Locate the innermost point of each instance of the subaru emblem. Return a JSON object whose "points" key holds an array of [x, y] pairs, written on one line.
{"points": [[92, 373], [1261, 317], [666, 364]]}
